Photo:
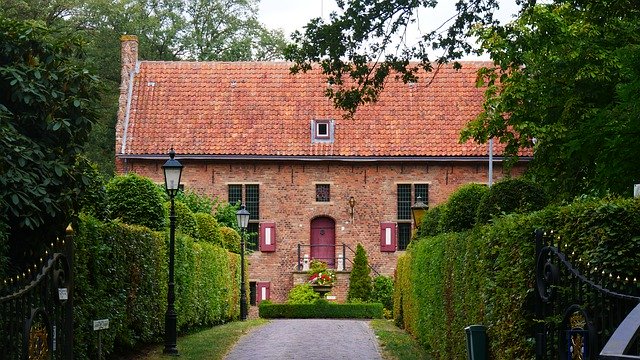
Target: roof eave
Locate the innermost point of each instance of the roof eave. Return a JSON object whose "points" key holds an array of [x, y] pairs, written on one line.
{"points": [[321, 158]]}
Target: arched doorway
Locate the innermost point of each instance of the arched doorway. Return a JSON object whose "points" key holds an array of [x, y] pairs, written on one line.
{"points": [[323, 240]]}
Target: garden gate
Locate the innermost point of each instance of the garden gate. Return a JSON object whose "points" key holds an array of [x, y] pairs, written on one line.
{"points": [[36, 307], [582, 318]]}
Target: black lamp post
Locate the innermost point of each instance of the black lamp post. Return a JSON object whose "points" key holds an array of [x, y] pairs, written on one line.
{"points": [[172, 172], [242, 216], [418, 209]]}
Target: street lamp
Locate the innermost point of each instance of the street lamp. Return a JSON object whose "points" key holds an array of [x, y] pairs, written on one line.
{"points": [[418, 209], [242, 216], [172, 171]]}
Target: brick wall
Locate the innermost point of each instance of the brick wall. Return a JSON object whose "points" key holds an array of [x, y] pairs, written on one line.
{"points": [[287, 197]]}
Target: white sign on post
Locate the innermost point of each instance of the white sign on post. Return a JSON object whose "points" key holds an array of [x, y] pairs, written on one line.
{"points": [[101, 324], [63, 294]]}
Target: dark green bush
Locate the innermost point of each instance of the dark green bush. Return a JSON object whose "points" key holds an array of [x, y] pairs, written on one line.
{"points": [[208, 229], [302, 294], [230, 239], [383, 291], [462, 207], [359, 279], [511, 196], [432, 222], [321, 309], [135, 200], [4, 248], [185, 221]]}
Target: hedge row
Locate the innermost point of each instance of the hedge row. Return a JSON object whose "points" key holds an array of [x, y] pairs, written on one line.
{"points": [[321, 309], [121, 275], [486, 275]]}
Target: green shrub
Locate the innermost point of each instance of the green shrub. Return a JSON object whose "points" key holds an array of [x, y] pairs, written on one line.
{"points": [[226, 215], [230, 239], [321, 309], [135, 200], [4, 248], [302, 294], [208, 230], [197, 203], [462, 207], [432, 222], [383, 291], [359, 279], [511, 196], [185, 221]]}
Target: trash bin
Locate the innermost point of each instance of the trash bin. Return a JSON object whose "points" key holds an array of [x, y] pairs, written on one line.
{"points": [[476, 342]]}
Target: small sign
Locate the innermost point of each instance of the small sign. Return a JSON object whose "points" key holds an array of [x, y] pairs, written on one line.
{"points": [[101, 324], [63, 294]]}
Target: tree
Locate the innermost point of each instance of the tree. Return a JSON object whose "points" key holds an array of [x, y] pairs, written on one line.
{"points": [[359, 280], [47, 108]]}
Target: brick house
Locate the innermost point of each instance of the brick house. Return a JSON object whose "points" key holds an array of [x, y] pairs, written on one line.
{"points": [[252, 132]]}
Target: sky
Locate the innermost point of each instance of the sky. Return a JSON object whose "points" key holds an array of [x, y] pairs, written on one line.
{"points": [[291, 15]]}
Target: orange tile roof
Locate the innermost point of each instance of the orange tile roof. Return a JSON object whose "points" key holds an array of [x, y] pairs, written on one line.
{"points": [[259, 109]]}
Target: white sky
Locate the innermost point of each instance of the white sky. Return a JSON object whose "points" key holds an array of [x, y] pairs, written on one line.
{"points": [[291, 15]]}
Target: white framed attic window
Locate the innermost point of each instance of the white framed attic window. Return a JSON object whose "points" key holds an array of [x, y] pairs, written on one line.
{"points": [[322, 130]]}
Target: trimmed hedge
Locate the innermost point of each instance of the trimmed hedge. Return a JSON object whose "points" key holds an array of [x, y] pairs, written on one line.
{"points": [[511, 196], [462, 207], [136, 200], [432, 222], [321, 309], [121, 275], [486, 275]]}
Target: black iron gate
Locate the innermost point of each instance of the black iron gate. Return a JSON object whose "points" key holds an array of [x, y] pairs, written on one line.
{"points": [[577, 314], [36, 308]]}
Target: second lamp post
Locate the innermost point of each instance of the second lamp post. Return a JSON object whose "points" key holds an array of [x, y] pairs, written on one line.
{"points": [[242, 216]]}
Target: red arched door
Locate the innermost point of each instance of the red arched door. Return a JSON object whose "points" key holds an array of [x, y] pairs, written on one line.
{"points": [[323, 240]]}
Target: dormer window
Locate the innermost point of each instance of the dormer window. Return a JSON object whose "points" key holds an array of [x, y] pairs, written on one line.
{"points": [[322, 130]]}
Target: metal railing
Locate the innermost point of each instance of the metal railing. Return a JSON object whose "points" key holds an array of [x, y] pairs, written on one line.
{"points": [[36, 310], [333, 262], [577, 315]]}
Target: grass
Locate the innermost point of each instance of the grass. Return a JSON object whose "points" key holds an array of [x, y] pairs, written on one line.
{"points": [[210, 344], [395, 343]]}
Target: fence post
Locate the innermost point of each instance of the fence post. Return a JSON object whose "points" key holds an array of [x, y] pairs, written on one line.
{"points": [[344, 257]]}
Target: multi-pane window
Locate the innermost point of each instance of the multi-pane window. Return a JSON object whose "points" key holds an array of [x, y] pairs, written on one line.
{"points": [[248, 194], [323, 192], [405, 201]]}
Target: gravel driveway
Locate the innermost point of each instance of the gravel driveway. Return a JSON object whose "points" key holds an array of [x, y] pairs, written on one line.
{"points": [[308, 339]]}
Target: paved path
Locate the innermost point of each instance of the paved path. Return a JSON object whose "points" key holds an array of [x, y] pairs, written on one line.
{"points": [[308, 339]]}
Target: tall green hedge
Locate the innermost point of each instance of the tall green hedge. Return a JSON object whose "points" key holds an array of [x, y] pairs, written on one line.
{"points": [[486, 275], [136, 200], [121, 275], [462, 207]]}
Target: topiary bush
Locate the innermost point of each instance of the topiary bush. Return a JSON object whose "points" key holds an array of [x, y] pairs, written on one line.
{"points": [[185, 221], [135, 200], [511, 196], [230, 239], [208, 229], [302, 294], [462, 207], [431, 224], [359, 279]]}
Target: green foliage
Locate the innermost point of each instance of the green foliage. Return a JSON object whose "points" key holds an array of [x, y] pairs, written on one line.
{"points": [[135, 200], [47, 107], [302, 294], [4, 249], [383, 291], [197, 203], [359, 279], [485, 275], [432, 222], [121, 274], [226, 215], [462, 207], [185, 220], [208, 229], [93, 201], [509, 196], [230, 239], [321, 309]]}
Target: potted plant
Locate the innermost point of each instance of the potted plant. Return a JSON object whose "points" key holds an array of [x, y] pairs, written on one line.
{"points": [[320, 277]]}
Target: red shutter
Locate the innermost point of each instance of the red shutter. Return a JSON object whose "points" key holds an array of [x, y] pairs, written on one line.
{"points": [[263, 291], [268, 237], [388, 236]]}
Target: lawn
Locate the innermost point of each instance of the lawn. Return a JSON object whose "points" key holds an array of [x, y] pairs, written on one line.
{"points": [[397, 344]]}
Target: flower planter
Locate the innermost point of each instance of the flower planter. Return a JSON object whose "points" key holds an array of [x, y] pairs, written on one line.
{"points": [[322, 289]]}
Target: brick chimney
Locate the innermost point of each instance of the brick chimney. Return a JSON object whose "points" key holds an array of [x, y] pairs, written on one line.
{"points": [[129, 59]]}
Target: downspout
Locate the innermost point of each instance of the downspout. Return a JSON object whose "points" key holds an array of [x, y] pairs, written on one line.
{"points": [[490, 162]]}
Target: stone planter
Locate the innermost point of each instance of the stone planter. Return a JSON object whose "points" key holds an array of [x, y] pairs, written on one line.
{"points": [[322, 289]]}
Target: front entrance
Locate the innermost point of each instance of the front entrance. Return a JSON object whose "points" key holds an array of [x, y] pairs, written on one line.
{"points": [[323, 240]]}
